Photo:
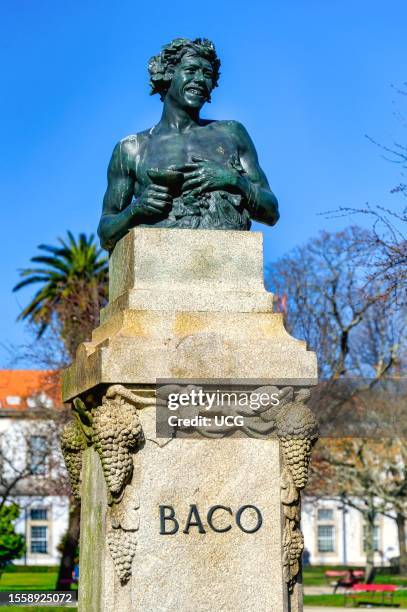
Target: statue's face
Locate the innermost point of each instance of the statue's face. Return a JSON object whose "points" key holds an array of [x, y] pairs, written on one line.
{"points": [[192, 82]]}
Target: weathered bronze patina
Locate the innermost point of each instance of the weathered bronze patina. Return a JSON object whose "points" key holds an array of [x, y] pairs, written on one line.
{"points": [[185, 172]]}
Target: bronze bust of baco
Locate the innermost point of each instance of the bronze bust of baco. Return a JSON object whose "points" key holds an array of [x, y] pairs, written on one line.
{"points": [[185, 172]]}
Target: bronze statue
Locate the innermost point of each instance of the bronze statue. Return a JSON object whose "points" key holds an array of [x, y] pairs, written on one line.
{"points": [[185, 172]]}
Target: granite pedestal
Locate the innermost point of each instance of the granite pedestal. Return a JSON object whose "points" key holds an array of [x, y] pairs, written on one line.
{"points": [[185, 304]]}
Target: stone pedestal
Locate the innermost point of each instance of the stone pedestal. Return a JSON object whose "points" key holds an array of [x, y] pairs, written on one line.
{"points": [[187, 304]]}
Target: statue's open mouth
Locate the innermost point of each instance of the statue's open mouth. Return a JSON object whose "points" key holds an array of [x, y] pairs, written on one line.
{"points": [[195, 91]]}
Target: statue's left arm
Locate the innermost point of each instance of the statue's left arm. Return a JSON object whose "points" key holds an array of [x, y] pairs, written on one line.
{"points": [[252, 184]]}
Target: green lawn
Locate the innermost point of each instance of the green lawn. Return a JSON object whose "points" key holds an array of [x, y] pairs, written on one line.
{"points": [[315, 576], [337, 601], [17, 578], [30, 578], [28, 581]]}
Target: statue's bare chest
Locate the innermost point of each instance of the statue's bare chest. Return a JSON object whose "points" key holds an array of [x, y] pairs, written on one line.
{"points": [[174, 148]]}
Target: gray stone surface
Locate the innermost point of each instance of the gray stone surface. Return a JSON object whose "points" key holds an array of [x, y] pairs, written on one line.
{"points": [[184, 259], [229, 571], [93, 530], [187, 304], [329, 609], [178, 270]]}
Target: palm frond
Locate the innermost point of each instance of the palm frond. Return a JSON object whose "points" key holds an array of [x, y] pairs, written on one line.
{"points": [[67, 267], [49, 247], [29, 281], [51, 261]]}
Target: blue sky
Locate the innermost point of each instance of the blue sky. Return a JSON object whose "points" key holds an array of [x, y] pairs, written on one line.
{"points": [[308, 78]]}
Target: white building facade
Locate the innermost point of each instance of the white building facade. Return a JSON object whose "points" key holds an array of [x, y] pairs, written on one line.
{"points": [[334, 535], [29, 443], [31, 461], [43, 522]]}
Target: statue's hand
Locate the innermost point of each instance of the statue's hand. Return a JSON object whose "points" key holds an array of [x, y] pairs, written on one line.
{"points": [[155, 201], [205, 175]]}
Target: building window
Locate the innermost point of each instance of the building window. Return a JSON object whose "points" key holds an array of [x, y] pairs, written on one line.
{"points": [[38, 455], [39, 539], [326, 530], [376, 538], [326, 538], [13, 400], [39, 514], [325, 514]]}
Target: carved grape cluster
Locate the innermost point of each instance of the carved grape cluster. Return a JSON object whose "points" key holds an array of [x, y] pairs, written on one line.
{"points": [[293, 545], [72, 444], [116, 433], [297, 429], [122, 545], [296, 546], [297, 454]]}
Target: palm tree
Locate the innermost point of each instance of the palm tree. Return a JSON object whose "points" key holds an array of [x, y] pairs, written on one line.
{"points": [[73, 278]]}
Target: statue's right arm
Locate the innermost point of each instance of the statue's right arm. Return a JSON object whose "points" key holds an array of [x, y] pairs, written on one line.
{"points": [[117, 215]]}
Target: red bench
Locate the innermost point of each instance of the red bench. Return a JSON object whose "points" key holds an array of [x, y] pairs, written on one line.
{"points": [[342, 573], [381, 595], [344, 578], [335, 573], [359, 573]]}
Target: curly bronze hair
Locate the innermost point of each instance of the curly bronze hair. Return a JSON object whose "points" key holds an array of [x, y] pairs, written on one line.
{"points": [[161, 67]]}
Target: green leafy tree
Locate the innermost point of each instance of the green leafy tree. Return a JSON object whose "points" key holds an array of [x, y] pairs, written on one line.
{"points": [[73, 279], [73, 287], [12, 544]]}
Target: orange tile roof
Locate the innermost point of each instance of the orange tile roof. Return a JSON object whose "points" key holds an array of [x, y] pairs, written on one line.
{"points": [[22, 389]]}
